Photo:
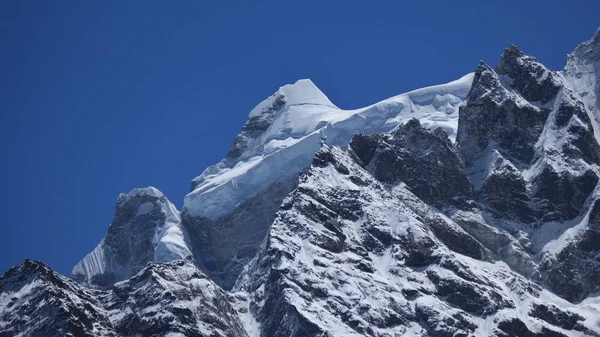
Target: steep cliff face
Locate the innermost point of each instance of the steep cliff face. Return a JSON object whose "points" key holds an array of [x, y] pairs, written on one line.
{"points": [[431, 167]]}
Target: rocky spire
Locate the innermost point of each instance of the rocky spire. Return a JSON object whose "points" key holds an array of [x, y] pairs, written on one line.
{"points": [[146, 227]]}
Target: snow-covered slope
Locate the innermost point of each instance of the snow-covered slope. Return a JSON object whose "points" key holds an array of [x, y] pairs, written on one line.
{"points": [[146, 228], [283, 132], [350, 256], [232, 203]]}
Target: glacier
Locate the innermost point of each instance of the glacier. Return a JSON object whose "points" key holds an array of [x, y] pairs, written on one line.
{"points": [[299, 117]]}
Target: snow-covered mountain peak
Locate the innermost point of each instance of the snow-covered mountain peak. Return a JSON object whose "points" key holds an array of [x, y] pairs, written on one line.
{"points": [[166, 299], [284, 131], [146, 227], [149, 191], [303, 91], [36, 301], [232, 203], [27, 269], [528, 76]]}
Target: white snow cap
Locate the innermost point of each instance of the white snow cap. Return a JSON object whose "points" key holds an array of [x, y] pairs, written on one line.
{"points": [[298, 127], [138, 192], [304, 91]]}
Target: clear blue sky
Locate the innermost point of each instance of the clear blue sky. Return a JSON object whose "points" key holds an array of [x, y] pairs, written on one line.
{"points": [[99, 97]]}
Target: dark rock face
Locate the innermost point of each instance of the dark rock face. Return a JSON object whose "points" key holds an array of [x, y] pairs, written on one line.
{"points": [[43, 303], [445, 326], [163, 298], [516, 328], [468, 296], [281, 318], [254, 126], [432, 169], [529, 148], [505, 194], [496, 115], [555, 316], [222, 256], [506, 112], [561, 196], [574, 271], [425, 161], [529, 77], [126, 225]]}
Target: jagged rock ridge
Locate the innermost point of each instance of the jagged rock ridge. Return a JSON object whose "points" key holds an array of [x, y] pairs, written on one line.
{"points": [[349, 255], [174, 299]]}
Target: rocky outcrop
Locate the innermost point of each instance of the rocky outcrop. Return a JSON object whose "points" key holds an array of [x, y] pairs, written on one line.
{"points": [[533, 81], [529, 146], [36, 301], [430, 166], [496, 114], [520, 127], [254, 127], [425, 161]]}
